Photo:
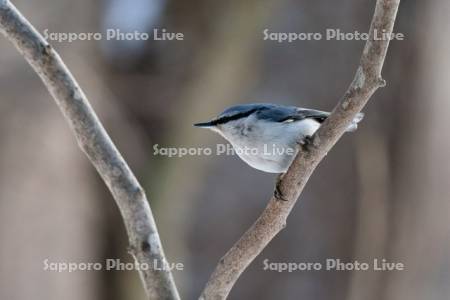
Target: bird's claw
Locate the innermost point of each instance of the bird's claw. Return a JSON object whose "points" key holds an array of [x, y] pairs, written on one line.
{"points": [[305, 142], [277, 193]]}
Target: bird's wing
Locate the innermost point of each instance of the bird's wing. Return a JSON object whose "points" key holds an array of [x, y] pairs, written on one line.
{"points": [[305, 113], [278, 113]]}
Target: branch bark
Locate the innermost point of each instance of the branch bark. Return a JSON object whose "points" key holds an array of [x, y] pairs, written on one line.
{"points": [[273, 219], [145, 244]]}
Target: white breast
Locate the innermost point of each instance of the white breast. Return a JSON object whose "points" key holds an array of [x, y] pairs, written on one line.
{"points": [[267, 146]]}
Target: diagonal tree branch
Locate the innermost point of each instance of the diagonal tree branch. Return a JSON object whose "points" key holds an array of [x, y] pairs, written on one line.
{"points": [[92, 138], [273, 219]]}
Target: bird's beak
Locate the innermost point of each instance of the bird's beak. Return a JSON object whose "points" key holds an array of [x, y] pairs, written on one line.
{"points": [[209, 124]]}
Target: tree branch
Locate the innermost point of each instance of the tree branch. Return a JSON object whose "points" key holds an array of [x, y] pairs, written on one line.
{"points": [[92, 138], [273, 219]]}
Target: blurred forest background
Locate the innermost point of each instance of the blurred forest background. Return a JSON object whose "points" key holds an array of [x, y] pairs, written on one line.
{"points": [[383, 192]]}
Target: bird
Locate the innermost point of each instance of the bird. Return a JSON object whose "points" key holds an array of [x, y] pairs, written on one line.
{"points": [[267, 136]]}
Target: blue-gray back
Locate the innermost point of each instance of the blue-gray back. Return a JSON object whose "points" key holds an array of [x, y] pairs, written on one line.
{"points": [[271, 112]]}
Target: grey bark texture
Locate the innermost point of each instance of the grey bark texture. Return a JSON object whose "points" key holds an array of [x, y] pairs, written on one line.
{"points": [[145, 245], [273, 219]]}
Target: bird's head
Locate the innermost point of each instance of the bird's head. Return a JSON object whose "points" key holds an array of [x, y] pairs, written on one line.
{"points": [[231, 120]]}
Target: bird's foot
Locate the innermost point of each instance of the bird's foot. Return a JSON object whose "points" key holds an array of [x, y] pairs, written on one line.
{"points": [[305, 142], [277, 193]]}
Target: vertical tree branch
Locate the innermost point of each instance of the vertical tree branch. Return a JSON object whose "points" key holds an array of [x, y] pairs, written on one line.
{"points": [[273, 219], [92, 138]]}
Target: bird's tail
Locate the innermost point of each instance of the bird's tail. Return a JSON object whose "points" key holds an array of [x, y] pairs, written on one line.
{"points": [[354, 125]]}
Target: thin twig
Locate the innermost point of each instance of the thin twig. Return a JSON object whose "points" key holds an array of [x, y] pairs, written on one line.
{"points": [[273, 219], [92, 138]]}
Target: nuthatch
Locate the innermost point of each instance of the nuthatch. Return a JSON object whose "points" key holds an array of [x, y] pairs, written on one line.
{"points": [[267, 136], [262, 133]]}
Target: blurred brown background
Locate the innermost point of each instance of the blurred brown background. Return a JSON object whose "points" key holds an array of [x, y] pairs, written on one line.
{"points": [[381, 193]]}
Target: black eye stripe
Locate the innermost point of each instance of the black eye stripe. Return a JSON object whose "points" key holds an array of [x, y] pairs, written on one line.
{"points": [[237, 116]]}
